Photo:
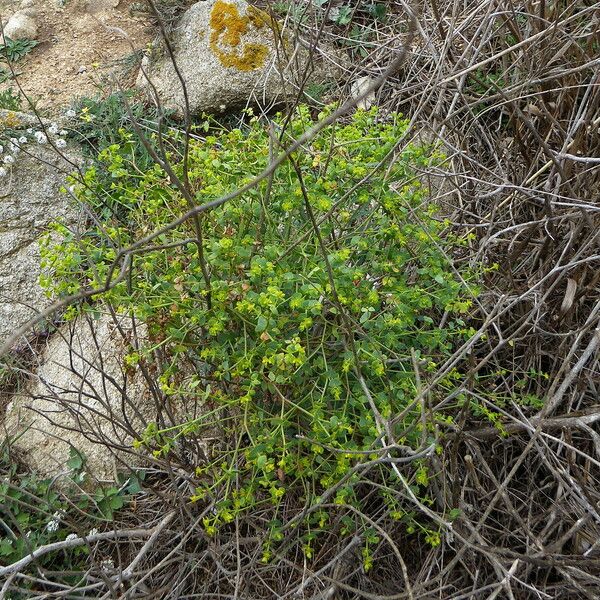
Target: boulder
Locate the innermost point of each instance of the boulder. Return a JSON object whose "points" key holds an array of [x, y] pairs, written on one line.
{"points": [[30, 198], [229, 54], [85, 394], [21, 26], [81, 395]]}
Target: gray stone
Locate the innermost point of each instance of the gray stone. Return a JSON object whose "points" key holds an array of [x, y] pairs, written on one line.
{"points": [[30, 198], [21, 26], [81, 396], [229, 54]]}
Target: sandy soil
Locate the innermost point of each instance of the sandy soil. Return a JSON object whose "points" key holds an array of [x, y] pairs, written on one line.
{"points": [[83, 45]]}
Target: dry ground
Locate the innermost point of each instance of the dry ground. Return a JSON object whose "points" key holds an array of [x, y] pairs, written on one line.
{"points": [[82, 44]]}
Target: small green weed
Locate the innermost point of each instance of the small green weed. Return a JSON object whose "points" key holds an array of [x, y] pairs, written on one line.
{"points": [[34, 513], [9, 100], [316, 93], [14, 50], [100, 121], [5, 74]]}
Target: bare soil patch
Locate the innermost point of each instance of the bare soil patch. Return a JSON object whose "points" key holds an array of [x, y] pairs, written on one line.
{"points": [[83, 46]]}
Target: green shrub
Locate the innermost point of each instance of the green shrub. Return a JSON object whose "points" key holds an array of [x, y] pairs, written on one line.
{"points": [[289, 320]]}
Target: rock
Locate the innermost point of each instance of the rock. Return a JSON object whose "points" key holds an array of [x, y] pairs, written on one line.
{"points": [[84, 395], [79, 396], [27, 4], [21, 26], [229, 54], [30, 198], [360, 86], [30, 12]]}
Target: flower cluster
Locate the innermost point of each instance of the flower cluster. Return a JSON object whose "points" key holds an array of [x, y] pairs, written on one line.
{"points": [[54, 523], [8, 154], [107, 565]]}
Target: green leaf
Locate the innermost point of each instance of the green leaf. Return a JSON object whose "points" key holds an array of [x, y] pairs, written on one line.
{"points": [[261, 461], [76, 460], [6, 548], [345, 15], [454, 514], [378, 11], [261, 324], [116, 502]]}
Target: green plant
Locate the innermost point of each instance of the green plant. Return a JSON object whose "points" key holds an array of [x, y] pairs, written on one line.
{"points": [[362, 10], [34, 512], [343, 15], [315, 93], [14, 50], [9, 100], [98, 122], [5, 74], [316, 293]]}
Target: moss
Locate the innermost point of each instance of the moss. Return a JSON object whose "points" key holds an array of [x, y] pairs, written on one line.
{"points": [[228, 28]]}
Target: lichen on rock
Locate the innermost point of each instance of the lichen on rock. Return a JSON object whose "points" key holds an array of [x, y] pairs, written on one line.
{"points": [[228, 29], [230, 54]]}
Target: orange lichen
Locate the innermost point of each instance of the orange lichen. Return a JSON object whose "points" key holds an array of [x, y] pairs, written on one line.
{"points": [[227, 30]]}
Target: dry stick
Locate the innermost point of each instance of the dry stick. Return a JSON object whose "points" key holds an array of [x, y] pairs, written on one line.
{"points": [[505, 583], [128, 571], [135, 247], [388, 539], [573, 420], [583, 330], [184, 538], [498, 55], [591, 348], [539, 172], [187, 114], [182, 186], [497, 312], [186, 153], [82, 541], [333, 562]]}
